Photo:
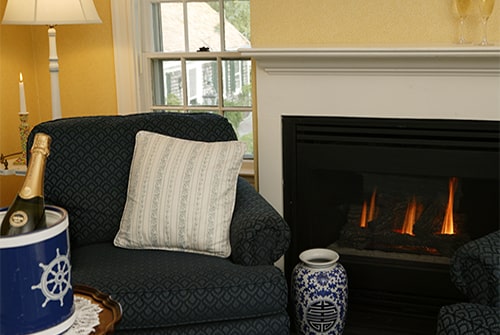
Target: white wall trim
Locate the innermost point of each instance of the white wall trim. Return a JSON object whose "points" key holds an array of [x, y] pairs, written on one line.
{"points": [[373, 52], [378, 71]]}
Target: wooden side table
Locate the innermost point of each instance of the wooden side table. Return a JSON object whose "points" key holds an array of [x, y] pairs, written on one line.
{"points": [[111, 310]]}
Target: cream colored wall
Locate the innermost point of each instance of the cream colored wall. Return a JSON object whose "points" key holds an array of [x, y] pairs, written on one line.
{"points": [[325, 23], [87, 79]]}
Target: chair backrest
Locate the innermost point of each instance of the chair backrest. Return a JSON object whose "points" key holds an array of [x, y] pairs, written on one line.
{"points": [[88, 168]]}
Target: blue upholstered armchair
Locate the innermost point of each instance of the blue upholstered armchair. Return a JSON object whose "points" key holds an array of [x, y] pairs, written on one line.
{"points": [[475, 271], [163, 292]]}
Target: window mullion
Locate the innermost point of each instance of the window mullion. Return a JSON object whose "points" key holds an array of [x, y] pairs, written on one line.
{"points": [[157, 97], [157, 27], [222, 26], [220, 86], [186, 26], [185, 101]]}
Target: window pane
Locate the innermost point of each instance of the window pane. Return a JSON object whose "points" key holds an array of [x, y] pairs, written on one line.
{"points": [[204, 25], [167, 82], [172, 27], [242, 124], [237, 82], [202, 82], [237, 24]]}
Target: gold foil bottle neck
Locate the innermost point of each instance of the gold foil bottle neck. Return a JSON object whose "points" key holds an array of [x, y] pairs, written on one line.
{"points": [[33, 182], [41, 143]]}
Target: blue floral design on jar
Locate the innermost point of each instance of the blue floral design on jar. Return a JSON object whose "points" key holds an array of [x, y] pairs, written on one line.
{"points": [[319, 293]]}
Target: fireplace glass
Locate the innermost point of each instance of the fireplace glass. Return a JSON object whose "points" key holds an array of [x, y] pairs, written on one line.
{"points": [[413, 216]]}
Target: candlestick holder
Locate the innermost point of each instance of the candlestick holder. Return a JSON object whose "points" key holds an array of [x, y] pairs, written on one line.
{"points": [[23, 134]]}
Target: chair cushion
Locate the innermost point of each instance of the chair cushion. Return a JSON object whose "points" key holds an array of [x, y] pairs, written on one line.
{"points": [[181, 195], [166, 288], [268, 325]]}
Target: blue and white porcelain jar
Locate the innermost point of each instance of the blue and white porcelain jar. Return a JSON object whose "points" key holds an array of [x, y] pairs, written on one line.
{"points": [[319, 293]]}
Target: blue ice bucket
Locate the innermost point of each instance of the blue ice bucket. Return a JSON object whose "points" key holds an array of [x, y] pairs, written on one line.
{"points": [[36, 296]]}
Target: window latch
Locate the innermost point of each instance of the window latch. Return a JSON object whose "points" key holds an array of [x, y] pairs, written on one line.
{"points": [[203, 49]]}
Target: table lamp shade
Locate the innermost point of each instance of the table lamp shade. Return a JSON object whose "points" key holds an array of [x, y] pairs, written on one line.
{"points": [[50, 12]]}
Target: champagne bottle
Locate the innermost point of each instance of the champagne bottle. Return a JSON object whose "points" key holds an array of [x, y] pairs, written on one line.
{"points": [[27, 211]]}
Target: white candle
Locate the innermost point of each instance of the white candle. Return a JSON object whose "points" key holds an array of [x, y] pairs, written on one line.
{"points": [[22, 97]]}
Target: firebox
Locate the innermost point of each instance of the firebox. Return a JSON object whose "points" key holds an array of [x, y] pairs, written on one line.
{"points": [[395, 198]]}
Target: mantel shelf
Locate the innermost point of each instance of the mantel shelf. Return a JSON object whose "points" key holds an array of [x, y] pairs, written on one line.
{"points": [[473, 60], [376, 51]]}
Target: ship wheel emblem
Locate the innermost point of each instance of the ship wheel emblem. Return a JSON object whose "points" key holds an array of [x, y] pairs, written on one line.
{"points": [[56, 279]]}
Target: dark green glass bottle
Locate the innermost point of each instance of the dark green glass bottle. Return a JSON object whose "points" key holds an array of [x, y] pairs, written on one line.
{"points": [[27, 212]]}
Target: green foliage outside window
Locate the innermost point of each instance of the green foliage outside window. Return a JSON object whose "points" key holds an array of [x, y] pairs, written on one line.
{"points": [[238, 13]]}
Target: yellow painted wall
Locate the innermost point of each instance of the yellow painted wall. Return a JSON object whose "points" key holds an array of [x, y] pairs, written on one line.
{"points": [[86, 78], [330, 23]]}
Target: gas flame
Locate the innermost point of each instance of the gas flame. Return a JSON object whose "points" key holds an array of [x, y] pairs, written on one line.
{"points": [[371, 214], [413, 212], [448, 224], [368, 214], [362, 223], [410, 217]]}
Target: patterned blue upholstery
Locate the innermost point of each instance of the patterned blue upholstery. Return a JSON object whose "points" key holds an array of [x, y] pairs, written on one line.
{"points": [[475, 271], [468, 318], [163, 292], [260, 326]]}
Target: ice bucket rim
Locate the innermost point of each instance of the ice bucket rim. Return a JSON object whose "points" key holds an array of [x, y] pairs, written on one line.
{"points": [[39, 235]]}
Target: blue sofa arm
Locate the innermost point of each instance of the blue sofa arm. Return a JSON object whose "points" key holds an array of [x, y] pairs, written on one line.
{"points": [[259, 235], [468, 318], [475, 270]]}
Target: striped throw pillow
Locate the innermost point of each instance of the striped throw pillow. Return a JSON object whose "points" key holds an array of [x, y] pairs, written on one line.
{"points": [[181, 195]]}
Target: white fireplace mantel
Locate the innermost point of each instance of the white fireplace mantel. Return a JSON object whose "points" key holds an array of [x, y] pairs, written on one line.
{"points": [[442, 60], [450, 82]]}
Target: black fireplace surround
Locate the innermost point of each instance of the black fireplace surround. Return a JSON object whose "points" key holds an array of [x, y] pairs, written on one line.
{"points": [[336, 168]]}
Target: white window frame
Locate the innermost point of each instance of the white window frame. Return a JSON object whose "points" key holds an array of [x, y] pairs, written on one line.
{"points": [[133, 66]]}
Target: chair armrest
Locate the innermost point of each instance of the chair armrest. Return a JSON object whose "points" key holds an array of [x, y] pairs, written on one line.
{"points": [[475, 269], [259, 235], [468, 318]]}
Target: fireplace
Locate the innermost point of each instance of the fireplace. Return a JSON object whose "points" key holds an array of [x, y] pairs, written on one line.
{"points": [[395, 198]]}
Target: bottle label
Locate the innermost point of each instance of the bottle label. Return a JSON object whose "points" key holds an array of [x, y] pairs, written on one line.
{"points": [[18, 219]]}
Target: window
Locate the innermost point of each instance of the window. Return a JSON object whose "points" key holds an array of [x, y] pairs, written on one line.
{"points": [[190, 61]]}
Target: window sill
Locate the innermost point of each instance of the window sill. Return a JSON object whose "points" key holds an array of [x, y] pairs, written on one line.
{"points": [[247, 171]]}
